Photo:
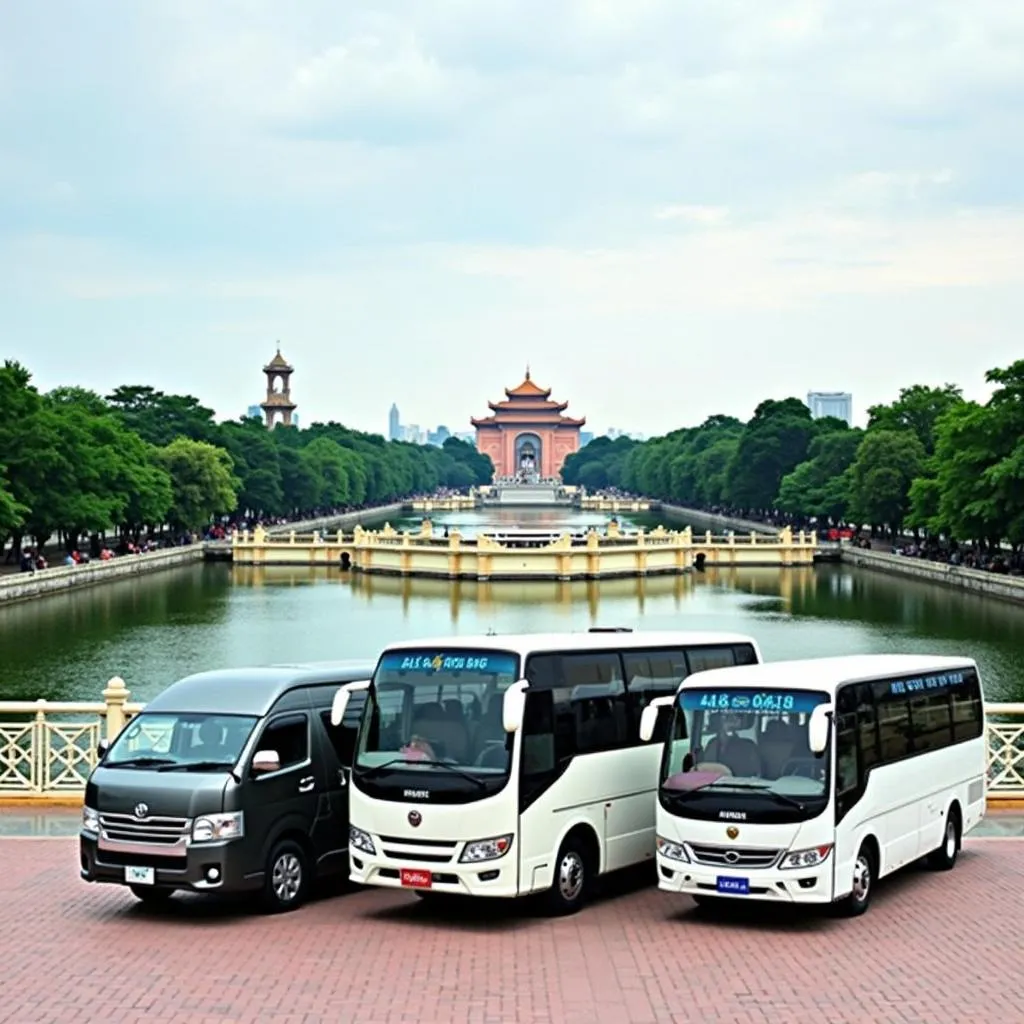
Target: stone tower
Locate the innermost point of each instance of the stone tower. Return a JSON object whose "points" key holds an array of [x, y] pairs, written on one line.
{"points": [[278, 407]]}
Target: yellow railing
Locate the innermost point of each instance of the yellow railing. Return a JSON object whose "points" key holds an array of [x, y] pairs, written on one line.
{"points": [[48, 748]]}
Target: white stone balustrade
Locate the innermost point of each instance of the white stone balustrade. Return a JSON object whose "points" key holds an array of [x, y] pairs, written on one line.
{"points": [[48, 748]]}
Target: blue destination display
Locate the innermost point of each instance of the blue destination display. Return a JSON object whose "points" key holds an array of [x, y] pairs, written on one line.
{"points": [[926, 684], [751, 700], [438, 662]]}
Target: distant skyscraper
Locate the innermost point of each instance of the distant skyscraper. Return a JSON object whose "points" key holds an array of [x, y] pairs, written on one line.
{"points": [[254, 412], [394, 423], [831, 403], [586, 436]]}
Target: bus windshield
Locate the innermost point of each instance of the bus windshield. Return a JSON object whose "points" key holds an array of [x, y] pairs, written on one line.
{"points": [[438, 712], [739, 750]]}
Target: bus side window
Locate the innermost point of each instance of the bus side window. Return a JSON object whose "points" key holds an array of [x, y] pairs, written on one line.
{"points": [[745, 654], [702, 659], [848, 773], [867, 730], [538, 732], [893, 723], [968, 714], [651, 674]]}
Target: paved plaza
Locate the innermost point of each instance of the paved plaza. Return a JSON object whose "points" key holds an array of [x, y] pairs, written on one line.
{"points": [[933, 947]]}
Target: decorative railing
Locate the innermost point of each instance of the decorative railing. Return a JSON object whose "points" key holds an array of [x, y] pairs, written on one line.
{"points": [[48, 748]]}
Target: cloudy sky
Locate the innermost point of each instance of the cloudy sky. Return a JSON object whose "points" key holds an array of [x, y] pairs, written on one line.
{"points": [[668, 208]]}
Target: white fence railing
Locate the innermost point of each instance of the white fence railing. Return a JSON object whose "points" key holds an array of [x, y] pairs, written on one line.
{"points": [[48, 748]]}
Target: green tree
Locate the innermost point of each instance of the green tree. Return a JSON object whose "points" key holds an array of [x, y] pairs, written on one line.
{"points": [[917, 409], [820, 486], [887, 463], [772, 445], [202, 481], [159, 418], [12, 514]]}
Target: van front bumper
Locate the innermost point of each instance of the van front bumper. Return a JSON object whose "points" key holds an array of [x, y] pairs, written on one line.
{"points": [[211, 867], [800, 885]]}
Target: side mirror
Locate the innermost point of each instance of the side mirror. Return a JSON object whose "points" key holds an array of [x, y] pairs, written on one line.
{"points": [[818, 729], [513, 705], [265, 761], [649, 717], [101, 748], [341, 698]]}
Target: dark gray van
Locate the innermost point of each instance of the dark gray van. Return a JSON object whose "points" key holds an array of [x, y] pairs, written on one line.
{"points": [[228, 781]]}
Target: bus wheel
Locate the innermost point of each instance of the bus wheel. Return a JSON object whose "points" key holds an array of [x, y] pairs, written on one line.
{"points": [[944, 857], [569, 890], [864, 875]]}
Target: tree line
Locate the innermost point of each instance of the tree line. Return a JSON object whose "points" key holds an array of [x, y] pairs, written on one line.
{"points": [[930, 460], [76, 464]]}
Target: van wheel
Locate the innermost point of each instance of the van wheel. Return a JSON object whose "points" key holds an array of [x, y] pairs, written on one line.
{"points": [[865, 873], [944, 857], [571, 885], [287, 880], [150, 896]]}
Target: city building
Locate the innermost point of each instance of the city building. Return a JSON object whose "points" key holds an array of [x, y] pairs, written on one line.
{"points": [[254, 412], [278, 407], [394, 424], [586, 436], [526, 435], [831, 403]]}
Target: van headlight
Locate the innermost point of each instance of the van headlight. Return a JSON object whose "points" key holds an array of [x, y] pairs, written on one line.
{"points": [[812, 857], [211, 828], [90, 821], [486, 849]]}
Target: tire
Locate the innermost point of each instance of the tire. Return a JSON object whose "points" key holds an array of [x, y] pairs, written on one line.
{"points": [[944, 857], [287, 878], [571, 885], [865, 874], [150, 896]]}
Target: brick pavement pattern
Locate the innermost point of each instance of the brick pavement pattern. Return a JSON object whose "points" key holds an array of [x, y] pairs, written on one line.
{"points": [[933, 947]]}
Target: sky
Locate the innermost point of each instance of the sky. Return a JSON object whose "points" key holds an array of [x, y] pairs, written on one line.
{"points": [[668, 208]]}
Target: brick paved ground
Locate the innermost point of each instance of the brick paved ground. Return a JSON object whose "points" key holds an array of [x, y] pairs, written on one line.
{"points": [[933, 947]]}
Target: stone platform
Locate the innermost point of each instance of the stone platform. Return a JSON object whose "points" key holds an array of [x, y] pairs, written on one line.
{"points": [[933, 947]]}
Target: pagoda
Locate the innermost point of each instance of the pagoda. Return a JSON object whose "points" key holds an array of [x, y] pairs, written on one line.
{"points": [[278, 405], [527, 436]]}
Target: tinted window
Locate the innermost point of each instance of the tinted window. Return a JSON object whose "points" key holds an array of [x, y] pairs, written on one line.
{"points": [[966, 706], [289, 736], [847, 750], [589, 707], [867, 727], [930, 721], [702, 659], [893, 723], [651, 674]]}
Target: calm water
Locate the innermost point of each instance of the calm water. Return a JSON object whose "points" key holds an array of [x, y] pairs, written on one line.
{"points": [[155, 629]]}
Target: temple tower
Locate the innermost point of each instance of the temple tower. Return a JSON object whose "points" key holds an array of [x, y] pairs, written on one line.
{"points": [[278, 406]]}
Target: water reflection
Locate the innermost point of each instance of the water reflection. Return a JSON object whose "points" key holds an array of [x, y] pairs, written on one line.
{"points": [[154, 629]]}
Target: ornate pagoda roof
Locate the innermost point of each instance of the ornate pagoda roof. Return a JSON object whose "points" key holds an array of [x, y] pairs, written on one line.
{"points": [[526, 403], [278, 364]]}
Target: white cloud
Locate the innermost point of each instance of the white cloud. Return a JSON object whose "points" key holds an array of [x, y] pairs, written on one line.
{"points": [[453, 182]]}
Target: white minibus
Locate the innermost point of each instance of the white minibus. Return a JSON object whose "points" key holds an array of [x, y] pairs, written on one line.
{"points": [[507, 765], [807, 781]]}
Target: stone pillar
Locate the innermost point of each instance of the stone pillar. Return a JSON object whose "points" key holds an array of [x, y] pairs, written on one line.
{"points": [[115, 696]]}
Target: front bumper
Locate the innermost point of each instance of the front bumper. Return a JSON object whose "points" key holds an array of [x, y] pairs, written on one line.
{"points": [[800, 885], [404, 869], [209, 867]]}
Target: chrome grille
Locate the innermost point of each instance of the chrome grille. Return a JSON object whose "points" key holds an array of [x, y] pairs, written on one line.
{"points": [[126, 828], [427, 851], [733, 856]]}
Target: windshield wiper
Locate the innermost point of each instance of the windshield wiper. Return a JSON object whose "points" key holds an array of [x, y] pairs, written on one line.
{"points": [[197, 766], [138, 762], [782, 798], [375, 769]]}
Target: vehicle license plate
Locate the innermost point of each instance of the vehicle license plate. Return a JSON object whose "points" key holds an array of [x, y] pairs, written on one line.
{"points": [[139, 876], [734, 886], [416, 878]]}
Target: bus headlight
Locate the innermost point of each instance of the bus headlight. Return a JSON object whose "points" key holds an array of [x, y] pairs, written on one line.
{"points": [[486, 849], [361, 840], [812, 857], [213, 827], [674, 851]]}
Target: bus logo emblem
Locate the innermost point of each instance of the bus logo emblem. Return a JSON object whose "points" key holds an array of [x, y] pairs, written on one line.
{"points": [[415, 818], [732, 831]]}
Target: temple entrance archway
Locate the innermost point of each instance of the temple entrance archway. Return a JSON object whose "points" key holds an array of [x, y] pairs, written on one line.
{"points": [[528, 456]]}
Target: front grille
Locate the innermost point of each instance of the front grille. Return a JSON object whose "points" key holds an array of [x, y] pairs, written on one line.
{"points": [[121, 858], [425, 851], [125, 828], [733, 856]]}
